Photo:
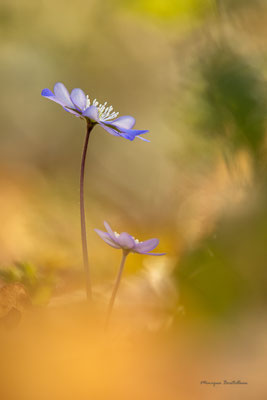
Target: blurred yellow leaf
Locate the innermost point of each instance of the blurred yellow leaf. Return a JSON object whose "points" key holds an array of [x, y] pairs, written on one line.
{"points": [[167, 9]]}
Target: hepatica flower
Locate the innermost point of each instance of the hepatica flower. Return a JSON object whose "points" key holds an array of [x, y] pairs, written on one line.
{"points": [[128, 244], [80, 105]]}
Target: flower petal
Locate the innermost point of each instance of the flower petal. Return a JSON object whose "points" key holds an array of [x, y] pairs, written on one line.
{"points": [[129, 134], [154, 254], [110, 130], [50, 95], [47, 93], [78, 98], [125, 122], [145, 140], [126, 241], [146, 246], [110, 232], [62, 94], [92, 113], [106, 237], [70, 110]]}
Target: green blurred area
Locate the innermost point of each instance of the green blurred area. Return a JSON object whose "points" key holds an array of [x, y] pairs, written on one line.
{"points": [[194, 74], [226, 274]]}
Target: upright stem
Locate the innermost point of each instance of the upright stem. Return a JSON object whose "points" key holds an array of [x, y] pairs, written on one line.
{"points": [[116, 287], [82, 212]]}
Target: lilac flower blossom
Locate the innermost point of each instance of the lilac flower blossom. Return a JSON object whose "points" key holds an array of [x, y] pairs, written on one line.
{"points": [[80, 105], [127, 242]]}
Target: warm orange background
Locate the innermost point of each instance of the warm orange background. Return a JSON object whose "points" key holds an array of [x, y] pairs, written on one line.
{"points": [[193, 73]]}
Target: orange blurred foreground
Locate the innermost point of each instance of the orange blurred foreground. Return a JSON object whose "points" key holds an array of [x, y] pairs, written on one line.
{"points": [[64, 353]]}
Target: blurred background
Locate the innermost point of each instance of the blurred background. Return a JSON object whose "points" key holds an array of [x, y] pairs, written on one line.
{"points": [[193, 72]]}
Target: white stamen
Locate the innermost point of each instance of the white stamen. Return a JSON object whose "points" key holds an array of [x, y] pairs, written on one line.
{"points": [[88, 102], [105, 113], [116, 234]]}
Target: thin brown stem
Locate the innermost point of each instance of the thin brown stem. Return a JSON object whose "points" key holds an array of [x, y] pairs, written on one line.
{"points": [[116, 287], [82, 212]]}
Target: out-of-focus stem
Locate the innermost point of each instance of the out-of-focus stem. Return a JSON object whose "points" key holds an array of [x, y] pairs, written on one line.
{"points": [[116, 287], [82, 212]]}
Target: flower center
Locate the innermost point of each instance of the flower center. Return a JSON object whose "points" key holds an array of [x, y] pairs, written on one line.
{"points": [[105, 113], [136, 240]]}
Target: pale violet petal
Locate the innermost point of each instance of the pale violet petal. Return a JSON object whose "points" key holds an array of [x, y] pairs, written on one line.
{"points": [[146, 246], [78, 98], [106, 237], [50, 95], [110, 130], [153, 254], [92, 113], [129, 134], [62, 94], [145, 140], [124, 122], [110, 231], [126, 241], [73, 111]]}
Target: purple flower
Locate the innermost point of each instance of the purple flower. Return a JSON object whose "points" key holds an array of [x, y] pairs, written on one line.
{"points": [[127, 242], [80, 105]]}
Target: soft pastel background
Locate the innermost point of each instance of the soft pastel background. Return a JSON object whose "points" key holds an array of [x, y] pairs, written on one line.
{"points": [[193, 72]]}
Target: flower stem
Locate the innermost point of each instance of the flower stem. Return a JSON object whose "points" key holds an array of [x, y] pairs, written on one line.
{"points": [[116, 287], [82, 212]]}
